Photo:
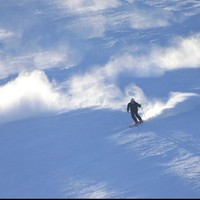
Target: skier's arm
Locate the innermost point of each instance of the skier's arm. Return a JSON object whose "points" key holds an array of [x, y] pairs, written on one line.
{"points": [[128, 107], [139, 105]]}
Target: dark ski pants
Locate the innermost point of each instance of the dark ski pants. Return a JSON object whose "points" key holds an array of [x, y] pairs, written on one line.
{"points": [[136, 117]]}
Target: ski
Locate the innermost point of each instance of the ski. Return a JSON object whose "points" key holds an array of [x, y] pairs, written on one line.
{"points": [[135, 125]]}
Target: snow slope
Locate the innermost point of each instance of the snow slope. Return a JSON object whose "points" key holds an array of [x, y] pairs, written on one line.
{"points": [[94, 154], [64, 88]]}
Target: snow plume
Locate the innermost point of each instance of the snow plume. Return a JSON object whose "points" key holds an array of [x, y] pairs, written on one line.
{"points": [[154, 108], [29, 94], [182, 53], [94, 90]]}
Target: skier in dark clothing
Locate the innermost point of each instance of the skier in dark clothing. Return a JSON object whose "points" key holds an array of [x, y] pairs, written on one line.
{"points": [[133, 107]]}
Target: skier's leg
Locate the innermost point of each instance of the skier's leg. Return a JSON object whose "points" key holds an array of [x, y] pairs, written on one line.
{"points": [[138, 117], [134, 118]]}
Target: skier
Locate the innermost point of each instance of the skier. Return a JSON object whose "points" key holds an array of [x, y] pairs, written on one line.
{"points": [[133, 107]]}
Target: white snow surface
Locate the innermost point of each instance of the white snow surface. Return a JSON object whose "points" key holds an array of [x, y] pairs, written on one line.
{"points": [[68, 69]]}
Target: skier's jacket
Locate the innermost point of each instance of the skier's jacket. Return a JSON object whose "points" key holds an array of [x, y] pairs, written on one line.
{"points": [[133, 107]]}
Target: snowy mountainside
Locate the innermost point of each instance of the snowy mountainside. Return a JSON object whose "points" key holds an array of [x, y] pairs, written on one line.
{"points": [[94, 154], [67, 71]]}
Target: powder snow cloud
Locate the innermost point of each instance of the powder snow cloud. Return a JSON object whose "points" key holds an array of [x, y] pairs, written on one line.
{"points": [[182, 53], [31, 94], [28, 95], [98, 85]]}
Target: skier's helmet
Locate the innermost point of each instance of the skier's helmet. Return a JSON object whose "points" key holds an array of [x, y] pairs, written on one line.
{"points": [[132, 100]]}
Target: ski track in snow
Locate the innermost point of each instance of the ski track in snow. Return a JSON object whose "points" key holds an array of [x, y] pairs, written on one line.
{"points": [[176, 156], [87, 189]]}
